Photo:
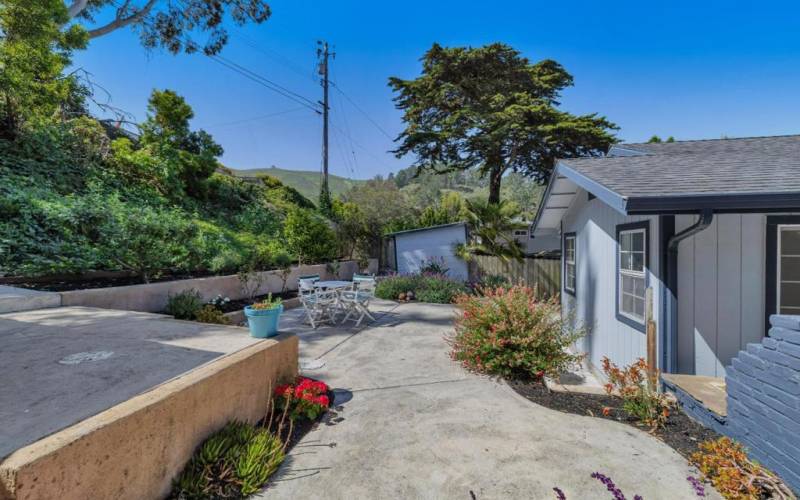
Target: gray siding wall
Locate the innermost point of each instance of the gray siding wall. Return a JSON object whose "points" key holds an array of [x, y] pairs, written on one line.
{"points": [[720, 291], [594, 304], [415, 247]]}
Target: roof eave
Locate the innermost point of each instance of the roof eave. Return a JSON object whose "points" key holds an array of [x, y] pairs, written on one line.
{"points": [[728, 202], [606, 195]]}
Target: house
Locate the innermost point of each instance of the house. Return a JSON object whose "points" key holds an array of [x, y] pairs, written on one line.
{"points": [[549, 245], [712, 227], [409, 250]]}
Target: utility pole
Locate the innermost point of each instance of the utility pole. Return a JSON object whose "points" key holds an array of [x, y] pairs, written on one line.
{"points": [[324, 195]]}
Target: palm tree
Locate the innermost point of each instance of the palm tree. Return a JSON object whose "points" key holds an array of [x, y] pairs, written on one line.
{"points": [[492, 228]]}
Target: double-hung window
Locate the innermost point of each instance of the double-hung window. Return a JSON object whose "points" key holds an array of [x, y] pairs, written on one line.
{"points": [[631, 272], [569, 263], [788, 275]]}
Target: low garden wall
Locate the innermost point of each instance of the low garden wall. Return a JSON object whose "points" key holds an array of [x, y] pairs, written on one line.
{"points": [[134, 450], [763, 385], [153, 297]]}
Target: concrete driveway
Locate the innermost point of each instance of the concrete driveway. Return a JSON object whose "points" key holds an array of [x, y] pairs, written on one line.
{"points": [[411, 423]]}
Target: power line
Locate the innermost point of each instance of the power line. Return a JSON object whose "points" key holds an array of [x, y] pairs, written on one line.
{"points": [[266, 82], [274, 55], [256, 118], [384, 132]]}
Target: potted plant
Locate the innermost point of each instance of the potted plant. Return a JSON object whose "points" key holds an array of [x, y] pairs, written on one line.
{"points": [[262, 317]]}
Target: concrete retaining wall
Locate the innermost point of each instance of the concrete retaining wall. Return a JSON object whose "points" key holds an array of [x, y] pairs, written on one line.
{"points": [[763, 386], [134, 449], [153, 297]]}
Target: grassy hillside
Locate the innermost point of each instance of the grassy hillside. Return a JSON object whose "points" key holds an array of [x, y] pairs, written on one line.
{"points": [[305, 181]]}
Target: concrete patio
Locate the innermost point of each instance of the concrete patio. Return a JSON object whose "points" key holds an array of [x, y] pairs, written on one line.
{"points": [[411, 423]]}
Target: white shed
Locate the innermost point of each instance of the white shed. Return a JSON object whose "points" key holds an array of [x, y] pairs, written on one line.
{"points": [[415, 246]]}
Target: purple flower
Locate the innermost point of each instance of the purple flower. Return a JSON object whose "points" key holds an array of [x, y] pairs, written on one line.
{"points": [[699, 489], [559, 494], [611, 487]]}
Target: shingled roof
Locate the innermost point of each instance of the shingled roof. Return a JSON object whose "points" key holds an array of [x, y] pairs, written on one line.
{"points": [[744, 174]]}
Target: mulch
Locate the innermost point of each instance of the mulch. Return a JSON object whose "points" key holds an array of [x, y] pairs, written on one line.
{"points": [[69, 283], [681, 433]]}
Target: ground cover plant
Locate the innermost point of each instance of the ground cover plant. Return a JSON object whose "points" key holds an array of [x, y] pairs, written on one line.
{"points": [[185, 304], [239, 459], [724, 463], [512, 333]]}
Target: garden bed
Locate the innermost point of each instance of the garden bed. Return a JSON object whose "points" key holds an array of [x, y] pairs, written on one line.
{"points": [[239, 304], [680, 432]]}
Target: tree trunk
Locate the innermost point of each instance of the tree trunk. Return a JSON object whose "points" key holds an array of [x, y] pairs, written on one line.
{"points": [[495, 178]]}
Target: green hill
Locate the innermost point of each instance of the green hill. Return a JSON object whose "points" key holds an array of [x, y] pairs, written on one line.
{"points": [[305, 181]]}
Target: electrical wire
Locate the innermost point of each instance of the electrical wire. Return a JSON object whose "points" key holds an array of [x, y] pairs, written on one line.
{"points": [[381, 129]]}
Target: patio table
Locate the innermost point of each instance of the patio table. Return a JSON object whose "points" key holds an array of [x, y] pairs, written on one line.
{"points": [[338, 286]]}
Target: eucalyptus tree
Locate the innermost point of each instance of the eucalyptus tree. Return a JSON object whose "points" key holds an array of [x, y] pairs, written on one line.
{"points": [[169, 24]]}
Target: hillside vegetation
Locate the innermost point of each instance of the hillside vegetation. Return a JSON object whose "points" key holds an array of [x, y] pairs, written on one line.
{"points": [[75, 199], [306, 182]]}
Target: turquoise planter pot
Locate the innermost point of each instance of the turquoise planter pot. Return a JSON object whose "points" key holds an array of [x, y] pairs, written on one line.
{"points": [[263, 323]]}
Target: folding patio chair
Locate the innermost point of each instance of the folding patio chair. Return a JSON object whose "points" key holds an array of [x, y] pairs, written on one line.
{"points": [[356, 300], [318, 304]]}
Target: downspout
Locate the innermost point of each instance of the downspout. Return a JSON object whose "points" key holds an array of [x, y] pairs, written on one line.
{"points": [[671, 290]]}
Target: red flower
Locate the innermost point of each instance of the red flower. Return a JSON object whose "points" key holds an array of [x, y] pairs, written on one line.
{"points": [[283, 391], [323, 400]]}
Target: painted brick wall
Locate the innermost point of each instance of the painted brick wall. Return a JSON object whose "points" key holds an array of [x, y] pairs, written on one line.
{"points": [[764, 399]]}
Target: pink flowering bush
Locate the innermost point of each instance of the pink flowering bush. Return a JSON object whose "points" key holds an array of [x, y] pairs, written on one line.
{"points": [[306, 397], [512, 333]]}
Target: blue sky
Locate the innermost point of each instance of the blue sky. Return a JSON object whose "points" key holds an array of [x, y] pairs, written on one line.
{"points": [[693, 70]]}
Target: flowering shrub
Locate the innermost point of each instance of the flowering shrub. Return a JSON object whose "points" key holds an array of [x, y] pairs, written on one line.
{"points": [[210, 314], [219, 301], [637, 385], [307, 398], [510, 332], [435, 288], [724, 463]]}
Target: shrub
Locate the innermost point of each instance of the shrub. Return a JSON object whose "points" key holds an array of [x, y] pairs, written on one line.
{"points": [[210, 314], [307, 398], [724, 463], [637, 386], [309, 236], [267, 304], [512, 333], [438, 289], [185, 304], [234, 462], [492, 281], [433, 288], [390, 287], [434, 266]]}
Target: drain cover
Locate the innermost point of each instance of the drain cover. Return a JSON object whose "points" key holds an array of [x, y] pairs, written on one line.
{"points": [[311, 364], [80, 357]]}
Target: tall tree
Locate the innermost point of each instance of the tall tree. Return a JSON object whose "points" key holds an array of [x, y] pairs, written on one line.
{"points": [[490, 109], [170, 24], [34, 50]]}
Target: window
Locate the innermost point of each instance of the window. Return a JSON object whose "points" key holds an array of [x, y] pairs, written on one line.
{"points": [[520, 232], [788, 270], [632, 272], [569, 263]]}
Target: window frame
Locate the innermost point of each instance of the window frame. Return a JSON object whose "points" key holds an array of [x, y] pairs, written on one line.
{"points": [[633, 227], [778, 261], [574, 237], [520, 232], [771, 264]]}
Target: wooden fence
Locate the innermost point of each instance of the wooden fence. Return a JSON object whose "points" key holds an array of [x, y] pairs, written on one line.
{"points": [[545, 273]]}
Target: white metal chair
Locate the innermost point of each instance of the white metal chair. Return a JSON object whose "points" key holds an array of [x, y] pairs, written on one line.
{"points": [[356, 300], [319, 305]]}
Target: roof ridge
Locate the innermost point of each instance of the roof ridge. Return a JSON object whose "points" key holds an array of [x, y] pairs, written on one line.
{"points": [[709, 140]]}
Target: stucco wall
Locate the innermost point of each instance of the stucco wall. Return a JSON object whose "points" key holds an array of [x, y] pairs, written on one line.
{"points": [[153, 297], [415, 247], [594, 303], [134, 449], [763, 386]]}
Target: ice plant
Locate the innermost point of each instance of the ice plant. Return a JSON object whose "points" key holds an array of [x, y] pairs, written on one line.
{"points": [[306, 397]]}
